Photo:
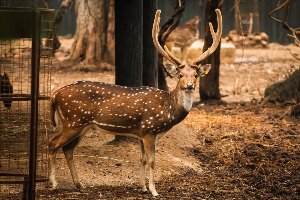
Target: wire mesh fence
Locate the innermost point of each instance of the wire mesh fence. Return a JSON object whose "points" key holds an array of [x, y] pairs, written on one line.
{"points": [[25, 42]]}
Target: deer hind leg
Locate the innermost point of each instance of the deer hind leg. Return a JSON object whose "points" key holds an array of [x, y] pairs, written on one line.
{"points": [[149, 145], [52, 177], [68, 150], [143, 165], [55, 144]]}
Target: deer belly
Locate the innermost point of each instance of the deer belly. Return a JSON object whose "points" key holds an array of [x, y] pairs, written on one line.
{"points": [[116, 128], [111, 130]]}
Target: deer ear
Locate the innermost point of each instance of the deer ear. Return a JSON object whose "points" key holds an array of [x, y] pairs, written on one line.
{"points": [[204, 69], [197, 20], [170, 68]]}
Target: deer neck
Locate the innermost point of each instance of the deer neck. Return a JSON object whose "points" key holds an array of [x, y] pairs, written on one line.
{"points": [[183, 99]]}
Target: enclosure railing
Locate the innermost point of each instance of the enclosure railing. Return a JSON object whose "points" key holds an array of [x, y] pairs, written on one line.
{"points": [[25, 87]]}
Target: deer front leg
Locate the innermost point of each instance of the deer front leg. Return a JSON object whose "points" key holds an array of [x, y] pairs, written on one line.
{"points": [[143, 165], [149, 145]]}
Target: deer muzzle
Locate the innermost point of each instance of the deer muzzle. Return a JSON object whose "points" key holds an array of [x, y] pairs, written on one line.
{"points": [[189, 86]]}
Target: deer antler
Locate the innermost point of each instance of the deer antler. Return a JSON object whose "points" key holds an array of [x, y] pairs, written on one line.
{"points": [[216, 36], [165, 52]]}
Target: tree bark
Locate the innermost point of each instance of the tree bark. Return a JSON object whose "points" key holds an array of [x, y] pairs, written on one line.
{"points": [[129, 44], [150, 71], [58, 16], [89, 44], [110, 40], [162, 83], [209, 85]]}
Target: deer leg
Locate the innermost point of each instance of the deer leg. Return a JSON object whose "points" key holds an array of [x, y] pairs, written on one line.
{"points": [[143, 165], [55, 143], [68, 150], [52, 177], [149, 144]]}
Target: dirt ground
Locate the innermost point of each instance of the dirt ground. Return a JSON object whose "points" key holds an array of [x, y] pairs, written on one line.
{"points": [[241, 148]]}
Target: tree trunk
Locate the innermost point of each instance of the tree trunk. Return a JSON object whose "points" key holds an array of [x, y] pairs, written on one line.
{"points": [[59, 14], [110, 53], [162, 83], [129, 44], [89, 44], [209, 85], [150, 73]]}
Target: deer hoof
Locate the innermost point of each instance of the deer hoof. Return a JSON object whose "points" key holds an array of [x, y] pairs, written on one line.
{"points": [[80, 186], [154, 193], [144, 189], [53, 185]]}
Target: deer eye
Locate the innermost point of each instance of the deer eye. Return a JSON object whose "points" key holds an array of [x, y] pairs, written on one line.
{"points": [[180, 75], [196, 75]]}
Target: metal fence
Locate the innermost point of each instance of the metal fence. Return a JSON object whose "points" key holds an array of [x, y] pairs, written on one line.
{"points": [[25, 87]]}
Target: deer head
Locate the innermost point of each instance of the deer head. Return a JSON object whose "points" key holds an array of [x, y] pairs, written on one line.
{"points": [[187, 72]]}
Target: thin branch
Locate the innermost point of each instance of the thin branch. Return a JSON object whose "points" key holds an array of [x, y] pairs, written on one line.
{"points": [[295, 31], [170, 25], [295, 55], [280, 7]]}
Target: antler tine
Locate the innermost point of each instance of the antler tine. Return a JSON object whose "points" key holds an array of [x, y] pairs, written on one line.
{"points": [[172, 56], [216, 36], [164, 52]]}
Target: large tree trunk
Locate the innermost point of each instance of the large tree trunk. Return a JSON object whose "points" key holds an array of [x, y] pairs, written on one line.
{"points": [[129, 43], [162, 82], [150, 73], [209, 86], [60, 12], [89, 44], [110, 40]]}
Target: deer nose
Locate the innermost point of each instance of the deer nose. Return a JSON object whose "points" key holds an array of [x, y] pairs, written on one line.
{"points": [[189, 86]]}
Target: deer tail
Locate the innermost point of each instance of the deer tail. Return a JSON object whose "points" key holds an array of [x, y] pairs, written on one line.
{"points": [[52, 112]]}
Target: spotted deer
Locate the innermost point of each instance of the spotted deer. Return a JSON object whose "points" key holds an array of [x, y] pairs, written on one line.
{"points": [[142, 112]]}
